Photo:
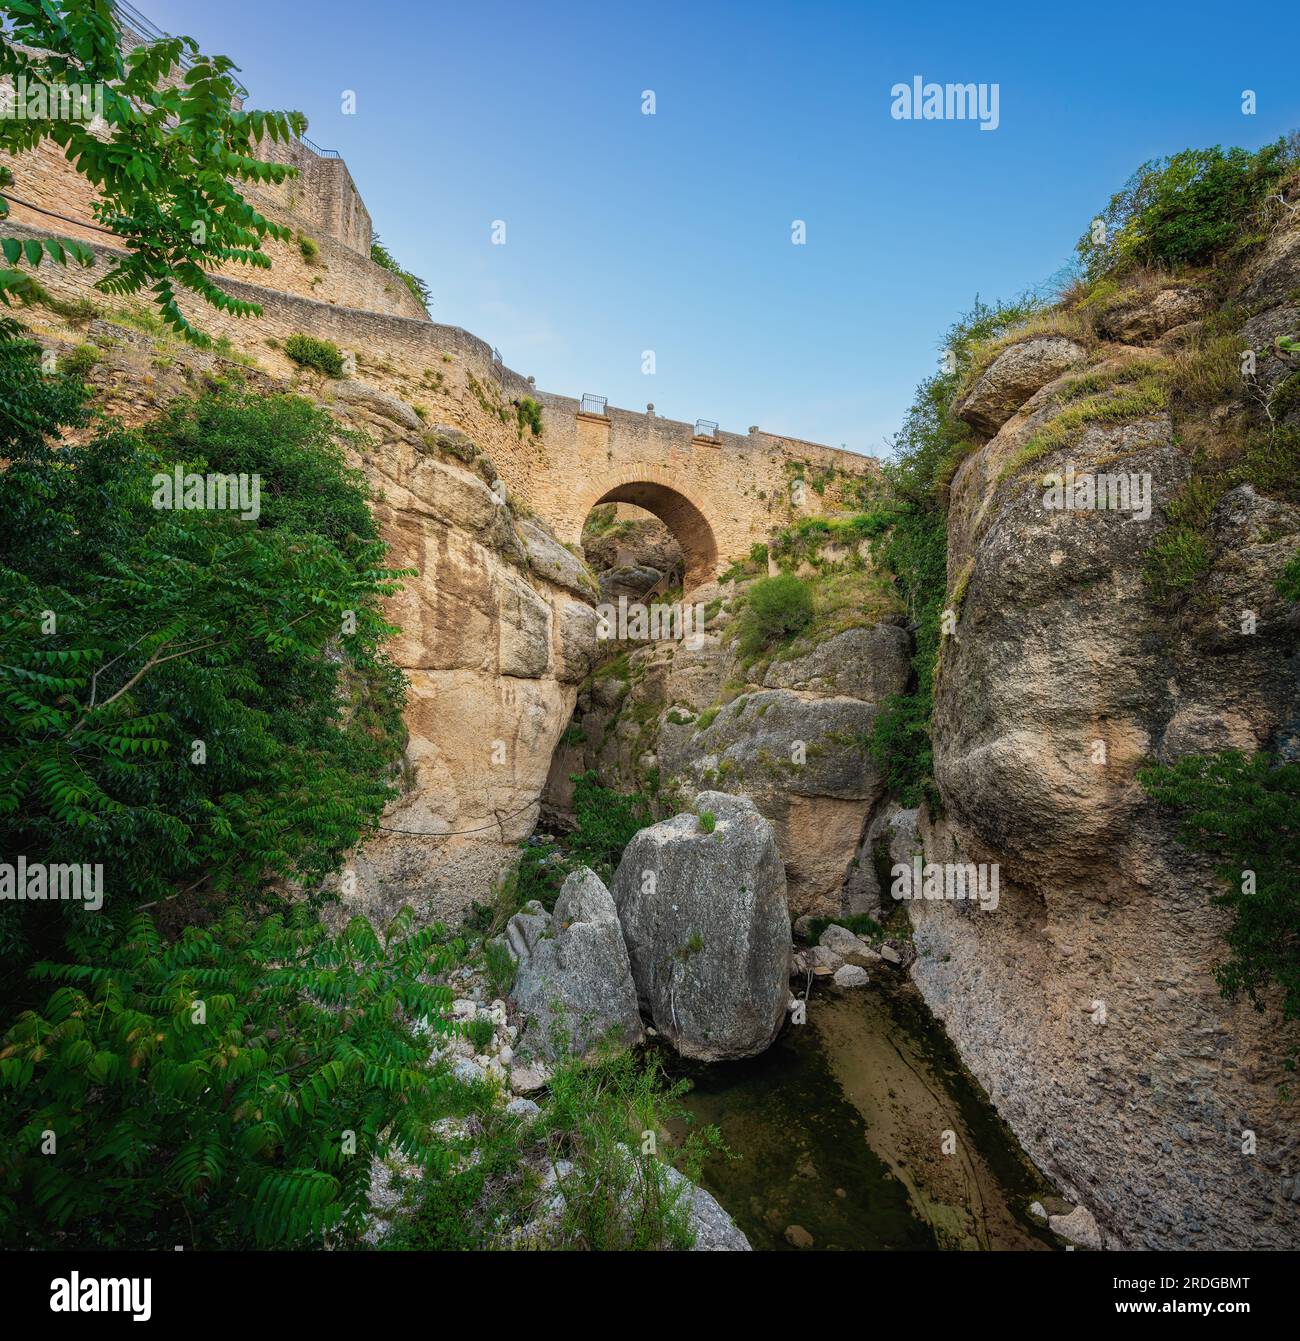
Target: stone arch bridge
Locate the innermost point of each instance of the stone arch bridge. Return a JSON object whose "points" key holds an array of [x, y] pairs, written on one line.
{"points": [[717, 492]]}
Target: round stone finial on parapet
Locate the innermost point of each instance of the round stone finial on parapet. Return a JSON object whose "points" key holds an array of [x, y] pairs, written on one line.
{"points": [[532, 381], [753, 428], [650, 409]]}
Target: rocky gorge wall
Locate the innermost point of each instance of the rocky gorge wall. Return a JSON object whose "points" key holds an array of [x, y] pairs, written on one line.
{"points": [[1085, 1003]]}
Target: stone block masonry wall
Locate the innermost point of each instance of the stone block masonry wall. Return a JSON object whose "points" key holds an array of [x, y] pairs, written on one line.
{"points": [[322, 198], [719, 496], [315, 205]]}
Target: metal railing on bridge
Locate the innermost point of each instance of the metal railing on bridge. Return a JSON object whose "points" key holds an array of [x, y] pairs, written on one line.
{"points": [[318, 151], [130, 18], [706, 428], [593, 405]]}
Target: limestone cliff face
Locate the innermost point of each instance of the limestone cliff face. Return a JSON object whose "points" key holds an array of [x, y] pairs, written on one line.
{"points": [[496, 632], [1085, 1003]]}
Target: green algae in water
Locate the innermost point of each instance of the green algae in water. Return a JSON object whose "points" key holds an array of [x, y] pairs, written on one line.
{"points": [[840, 1129], [801, 1153]]}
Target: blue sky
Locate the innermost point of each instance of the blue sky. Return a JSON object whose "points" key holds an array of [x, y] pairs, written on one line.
{"points": [[672, 232]]}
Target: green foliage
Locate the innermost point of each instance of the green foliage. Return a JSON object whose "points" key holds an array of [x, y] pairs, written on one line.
{"points": [[479, 1032], [617, 1198], [1181, 555], [201, 1092], [776, 609], [909, 535], [309, 352], [382, 256], [309, 248], [460, 1205], [932, 441], [33, 405], [1288, 585], [1245, 812], [858, 923], [607, 822], [500, 965], [1116, 404], [80, 361], [915, 551], [600, 519], [590, 1133], [1186, 209], [529, 414], [165, 177], [1176, 562], [130, 635], [708, 821]]}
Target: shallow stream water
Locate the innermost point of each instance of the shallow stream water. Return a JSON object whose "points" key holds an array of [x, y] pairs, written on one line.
{"points": [[840, 1133]]}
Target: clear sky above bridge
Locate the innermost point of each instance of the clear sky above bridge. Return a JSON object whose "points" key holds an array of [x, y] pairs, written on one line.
{"points": [[672, 232]]}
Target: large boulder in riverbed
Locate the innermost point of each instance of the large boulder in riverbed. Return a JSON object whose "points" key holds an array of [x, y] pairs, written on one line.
{"points": [[704, 917], [574, 983]]}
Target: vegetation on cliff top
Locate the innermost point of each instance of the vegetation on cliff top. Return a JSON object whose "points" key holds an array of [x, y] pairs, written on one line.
{"points": [[1187, 209]]}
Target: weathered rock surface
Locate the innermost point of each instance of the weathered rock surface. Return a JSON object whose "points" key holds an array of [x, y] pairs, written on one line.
{"points": [[1085, 1003], [553, 561], [574, 982], [707, 931], [1145, 317], [804, 761], [629, 580], [1078, 1227], [1014, 376], [848, 948], [494, 642], [795, 744], [865, 663]]}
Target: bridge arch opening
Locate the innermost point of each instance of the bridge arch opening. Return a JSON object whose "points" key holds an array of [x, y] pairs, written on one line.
{"points": [[683, 519]]}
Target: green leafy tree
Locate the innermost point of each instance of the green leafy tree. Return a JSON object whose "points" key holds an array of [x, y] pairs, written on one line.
{"points": [[167, 167], [195, 700], [228, 1088], [1185, 209]]}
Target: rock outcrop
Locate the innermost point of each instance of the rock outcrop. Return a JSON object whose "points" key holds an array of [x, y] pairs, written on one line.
{"points": [[574, 982], [1085, 1003], [1014, 376], [795, 741], [496, 632], [701, 899], [1147, 316]]}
